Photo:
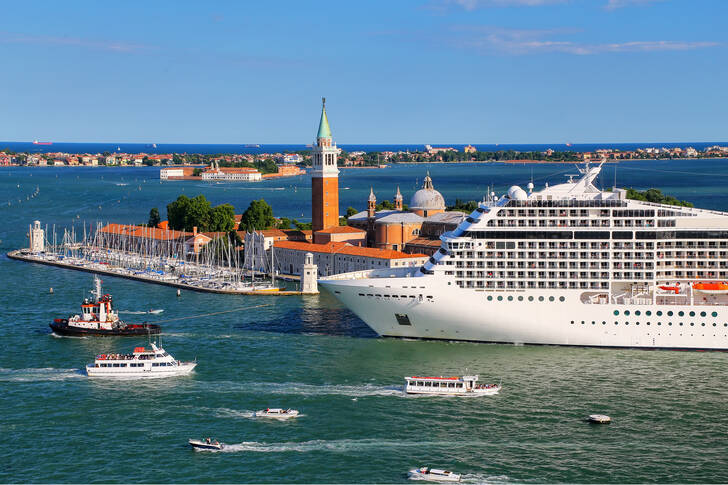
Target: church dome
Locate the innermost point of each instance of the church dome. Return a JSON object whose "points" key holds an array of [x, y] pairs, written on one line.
{"points": [[427, 198]]}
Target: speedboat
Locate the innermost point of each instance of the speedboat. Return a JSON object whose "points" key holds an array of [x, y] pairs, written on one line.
{"points": [[433, 475], [277, 413], [206, 444], [449, 386], [599, 419]]}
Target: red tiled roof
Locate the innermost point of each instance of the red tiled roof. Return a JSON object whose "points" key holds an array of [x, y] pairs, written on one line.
{"points": [[345, 248], [341, 230], [142, 231]]}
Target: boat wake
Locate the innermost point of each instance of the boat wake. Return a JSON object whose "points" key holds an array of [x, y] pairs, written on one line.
{"points": [[39, 375], [55, 335], [293, 388], [132, 312], [341, 446], [230, 413]]}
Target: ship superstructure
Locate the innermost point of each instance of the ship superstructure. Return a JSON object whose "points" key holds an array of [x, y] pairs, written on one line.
{"points": [[568, 265]]}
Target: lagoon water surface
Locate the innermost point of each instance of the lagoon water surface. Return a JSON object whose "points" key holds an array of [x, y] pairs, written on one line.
{"points": [[669, 409]]}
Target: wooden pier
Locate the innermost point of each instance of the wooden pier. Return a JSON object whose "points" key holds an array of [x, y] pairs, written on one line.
{"points": [[31, 258]]}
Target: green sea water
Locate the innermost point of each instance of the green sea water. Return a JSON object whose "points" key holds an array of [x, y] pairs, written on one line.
{"points": [[669, 409]]}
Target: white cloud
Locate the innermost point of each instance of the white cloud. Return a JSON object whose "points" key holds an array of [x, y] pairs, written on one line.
{"points": [[497, 40], [615, 4]]}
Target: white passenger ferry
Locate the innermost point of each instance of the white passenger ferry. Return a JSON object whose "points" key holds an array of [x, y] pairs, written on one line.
{"points": [[570, 264], [456, 386], [142, 363]]}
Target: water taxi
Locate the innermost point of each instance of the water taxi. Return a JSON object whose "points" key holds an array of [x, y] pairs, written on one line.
{"points": [[142, 363], [98, 317], [433, 475], [206, 444], [457, 386], [277, 413]]}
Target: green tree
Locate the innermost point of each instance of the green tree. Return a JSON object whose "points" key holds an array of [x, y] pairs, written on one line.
{"points": [[177, 212], [154, 218], [184, 214], [222, 218], [302, 226], [462, 206], [284, 223], [258, 215], [385, 205], [350, 211], [197, 172]]}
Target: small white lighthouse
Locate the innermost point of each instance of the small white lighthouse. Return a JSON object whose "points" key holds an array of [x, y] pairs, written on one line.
{"points": [[37, 238], [309, 273]]}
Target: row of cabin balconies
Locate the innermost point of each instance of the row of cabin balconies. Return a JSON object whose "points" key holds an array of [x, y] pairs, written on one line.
{"points": [[528, 264], [512, 285], [467, 257], [692, 244], [594, 212], [692, 275], [572, 223], [693, 255], [533, 275], [691, 264]]}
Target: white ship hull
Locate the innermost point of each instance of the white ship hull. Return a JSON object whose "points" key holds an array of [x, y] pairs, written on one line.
{"points": [[142, 373], [438, 310]]}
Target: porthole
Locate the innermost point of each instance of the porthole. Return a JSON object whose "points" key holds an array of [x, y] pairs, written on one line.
{"points": [[604, 323], [626, 323], [637, 312], [648, 313], [648, 324], [616, 323], [593, 322], [715, 314], [681, 324], [702, 314], [659, 313], [636, 323], [669, 324], [616, 312], [520, 298], [490, 298], [582, 322], [669, 314], [725, 324], [692, 324], [540, 298], [572, 322], [681, 313], [530, 298], [551, 298], [659, 324], [626, 312], [714, 324], [561, 298], [510, 298], [500, 298], [702, 324], [692, 314]]}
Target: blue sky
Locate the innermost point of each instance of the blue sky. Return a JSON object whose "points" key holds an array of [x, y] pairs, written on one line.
{"points": [[398, 71]]}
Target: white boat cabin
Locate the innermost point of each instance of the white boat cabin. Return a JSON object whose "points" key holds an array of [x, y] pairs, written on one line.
{"points": [[448, 385]]}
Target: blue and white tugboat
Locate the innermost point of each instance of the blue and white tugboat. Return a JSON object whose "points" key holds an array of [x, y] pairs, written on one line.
{"points": [[98, 317]]}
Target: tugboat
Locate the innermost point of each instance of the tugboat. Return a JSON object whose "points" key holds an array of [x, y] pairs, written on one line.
{"points": [[99, 318], [142, 363]]}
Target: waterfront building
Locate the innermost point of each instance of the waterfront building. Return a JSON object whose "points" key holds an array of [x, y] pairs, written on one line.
{"points": [[470, 149], [291, 158], [339, 257], [244, 174], [324, 178], [172, 173]]}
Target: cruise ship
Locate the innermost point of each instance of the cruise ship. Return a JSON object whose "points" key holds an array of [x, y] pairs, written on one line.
{"points": [[567, 265]]}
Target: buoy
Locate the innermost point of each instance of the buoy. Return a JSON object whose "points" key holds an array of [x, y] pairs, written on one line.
{"points": [[599, 419], [51, 290], [179, 293]]}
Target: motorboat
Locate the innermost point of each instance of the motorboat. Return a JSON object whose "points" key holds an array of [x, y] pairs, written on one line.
{"points": [[277, 413], [599, 419], [447, 386], [433, 475], [142, 363], [206, 444]]}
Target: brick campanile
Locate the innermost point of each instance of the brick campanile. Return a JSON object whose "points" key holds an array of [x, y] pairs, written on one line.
{"points": [[324, 178]]}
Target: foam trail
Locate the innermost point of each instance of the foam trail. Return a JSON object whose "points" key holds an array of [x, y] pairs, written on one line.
{"points": [[323, 390], [55, 335], [39, 375], [336, 446], [132, 312]]}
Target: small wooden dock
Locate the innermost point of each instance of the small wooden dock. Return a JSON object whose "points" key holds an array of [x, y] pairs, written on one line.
{"points": [[30, 258]]}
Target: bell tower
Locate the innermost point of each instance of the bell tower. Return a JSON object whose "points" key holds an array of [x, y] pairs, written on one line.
{"points": [[324, 178]]}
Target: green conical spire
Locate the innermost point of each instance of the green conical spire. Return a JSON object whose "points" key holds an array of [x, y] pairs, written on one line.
{"points": [[324, 131]]}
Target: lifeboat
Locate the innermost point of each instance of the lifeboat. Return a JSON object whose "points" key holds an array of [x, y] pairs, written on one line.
{"points": [[675, 289], [720, 288]]}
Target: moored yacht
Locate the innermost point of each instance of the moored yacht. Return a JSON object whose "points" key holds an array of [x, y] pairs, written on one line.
{"points": [[142, 363], [449, 386]]}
